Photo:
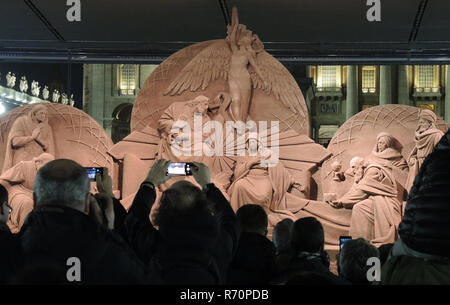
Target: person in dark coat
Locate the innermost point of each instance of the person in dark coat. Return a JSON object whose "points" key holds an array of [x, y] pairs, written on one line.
{"points": [[422, 253], [308, 241], [68, 231], [10, 253], [195, 231], [282, 236], [353, 260], [254, 262]]}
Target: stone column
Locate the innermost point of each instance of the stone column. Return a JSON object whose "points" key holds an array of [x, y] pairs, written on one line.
{"points": [[403, 88], [385, 85], [352, 92], [447, 95], [98, 93]]}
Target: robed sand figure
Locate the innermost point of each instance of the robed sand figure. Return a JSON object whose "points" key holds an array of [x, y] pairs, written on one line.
{"points": [[19, 181], [257, 182], [376, 210], [30, 136], [425, 138], [386, 153]]}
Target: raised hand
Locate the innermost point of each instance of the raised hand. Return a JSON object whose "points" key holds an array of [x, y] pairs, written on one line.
{"points": [[201, 174], [157, 174]]}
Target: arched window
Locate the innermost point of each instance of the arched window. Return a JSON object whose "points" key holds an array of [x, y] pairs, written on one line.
{"points": [[127, 79]]}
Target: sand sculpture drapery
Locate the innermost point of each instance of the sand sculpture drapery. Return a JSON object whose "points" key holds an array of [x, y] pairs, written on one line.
{"points": [[30, 136]]}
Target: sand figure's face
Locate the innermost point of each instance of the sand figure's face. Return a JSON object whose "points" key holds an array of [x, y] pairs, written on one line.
{"points": [[423, 125], [41, 116], [382, 144]]}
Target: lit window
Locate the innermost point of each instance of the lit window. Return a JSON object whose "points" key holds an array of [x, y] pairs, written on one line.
{"points": [[127, 79], [427, 106], [427, 78], [369, 79], [364, 107], [329, 78]]}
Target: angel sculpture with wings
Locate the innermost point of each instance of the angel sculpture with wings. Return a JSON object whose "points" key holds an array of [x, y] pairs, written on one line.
{"points": [[239, 59]]}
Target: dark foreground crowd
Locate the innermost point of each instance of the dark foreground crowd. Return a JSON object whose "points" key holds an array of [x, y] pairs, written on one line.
{"points": [[196, 238]]}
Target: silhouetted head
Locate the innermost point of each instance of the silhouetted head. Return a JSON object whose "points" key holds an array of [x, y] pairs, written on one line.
{"points": [[4, 207], [308, 235], [62, 182], [253, 219], [181, 200], [282, 235], [353, 260]]}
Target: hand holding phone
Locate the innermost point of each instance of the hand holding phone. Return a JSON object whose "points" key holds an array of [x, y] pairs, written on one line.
{"points": [[343, 240], [179, 169], [92, 172]]}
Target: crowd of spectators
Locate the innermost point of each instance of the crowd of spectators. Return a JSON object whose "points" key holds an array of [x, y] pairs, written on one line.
{"points": [[194, 236]]}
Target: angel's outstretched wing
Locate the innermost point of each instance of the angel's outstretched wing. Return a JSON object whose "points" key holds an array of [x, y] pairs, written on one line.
{"points": [[210, 64], [278, 81]]}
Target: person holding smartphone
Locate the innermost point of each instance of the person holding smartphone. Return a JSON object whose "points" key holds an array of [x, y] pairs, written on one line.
{"points": [[195, 233]]}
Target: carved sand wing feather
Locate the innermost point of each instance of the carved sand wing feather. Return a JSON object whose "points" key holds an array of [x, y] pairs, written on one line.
{"points": [[278, 82], [210, 64]]}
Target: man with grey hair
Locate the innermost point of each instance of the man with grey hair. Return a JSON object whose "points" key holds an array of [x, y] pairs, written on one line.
{"points": [[64, 229], [353, 260]]}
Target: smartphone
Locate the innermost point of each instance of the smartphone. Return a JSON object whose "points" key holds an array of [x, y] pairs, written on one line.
{"points": [[180, 169], [93, 171], [343, 240]]}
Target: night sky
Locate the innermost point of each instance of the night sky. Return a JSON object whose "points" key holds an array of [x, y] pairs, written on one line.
{"points": [[55, 76]]}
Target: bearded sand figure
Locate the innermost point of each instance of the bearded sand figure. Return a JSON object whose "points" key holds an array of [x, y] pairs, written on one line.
{"points": [[376, 210], [426, 137], [386, 154], [19, 181], [30, 136]]}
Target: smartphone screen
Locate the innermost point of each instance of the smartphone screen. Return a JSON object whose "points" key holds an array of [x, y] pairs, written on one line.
{"points": [[93, 171], [343, 240], [179, 169]]}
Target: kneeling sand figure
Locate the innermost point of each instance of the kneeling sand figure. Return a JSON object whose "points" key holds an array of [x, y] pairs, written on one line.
{"points": [[19, 181], [376, 211]]}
